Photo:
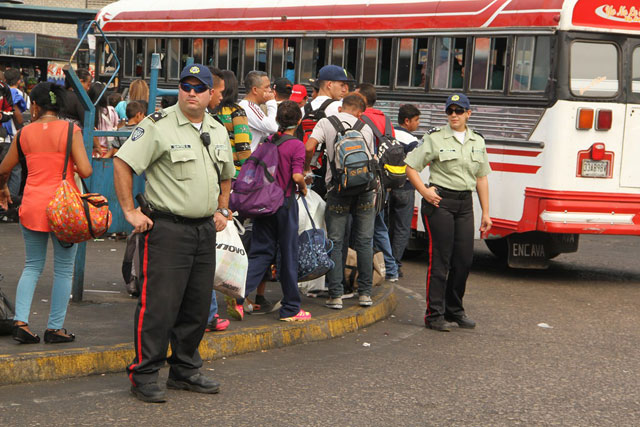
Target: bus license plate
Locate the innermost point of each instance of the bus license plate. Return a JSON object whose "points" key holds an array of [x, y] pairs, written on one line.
{"points": [[595, 168]]}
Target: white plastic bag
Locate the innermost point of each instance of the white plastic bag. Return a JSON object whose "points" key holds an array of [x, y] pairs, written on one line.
{"points": [[316, 209], [231, 261]]}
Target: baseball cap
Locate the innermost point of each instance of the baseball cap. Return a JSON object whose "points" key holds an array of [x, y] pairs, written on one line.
{"points": [[460, 100], [282, 86], [298, 93], [314, 84], [198, 71], [333, 73]]}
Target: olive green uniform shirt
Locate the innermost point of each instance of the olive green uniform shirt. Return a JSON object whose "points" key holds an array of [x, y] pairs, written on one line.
{"points": [[180, 176], [452, 165]]}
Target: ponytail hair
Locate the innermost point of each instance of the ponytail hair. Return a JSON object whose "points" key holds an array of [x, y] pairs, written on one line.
{"points": [[48, 96], [288, 115]]}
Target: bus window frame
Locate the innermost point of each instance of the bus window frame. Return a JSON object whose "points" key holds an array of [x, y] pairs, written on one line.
{"points": [[467, 65], [552, 64], [630, 46], [506, 78], [621, 83]]}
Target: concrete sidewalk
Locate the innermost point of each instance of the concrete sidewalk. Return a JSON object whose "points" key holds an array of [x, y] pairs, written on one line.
{"points": [[103, 322]]}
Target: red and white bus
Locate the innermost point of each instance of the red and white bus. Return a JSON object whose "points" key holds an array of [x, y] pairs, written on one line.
{"points": [[555, 88]]}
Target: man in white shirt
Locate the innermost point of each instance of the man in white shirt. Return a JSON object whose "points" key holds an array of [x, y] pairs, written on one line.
{"points": [[333, 83], [259, 91]]}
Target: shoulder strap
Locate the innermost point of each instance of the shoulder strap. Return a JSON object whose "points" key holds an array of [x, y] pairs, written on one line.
{"points": [[282, 139], [388, 128], [325, 104], [337, 124], [68, 153], [307, 109], [359, 125], [366, 120]]}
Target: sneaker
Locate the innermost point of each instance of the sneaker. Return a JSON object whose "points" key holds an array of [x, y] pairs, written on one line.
{"points": [[217, 324], [365, 301], [302, 316], [392, 279], [462, 320], [349, 295], [335, 303], [439, 325], [263, 305], [234, 309]]}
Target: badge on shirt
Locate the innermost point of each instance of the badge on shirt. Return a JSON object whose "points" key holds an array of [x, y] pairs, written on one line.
{"points": [[181, 147], [137, 133]]}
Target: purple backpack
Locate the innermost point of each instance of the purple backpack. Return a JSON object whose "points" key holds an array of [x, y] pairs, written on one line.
{"points": [[255, 191]]}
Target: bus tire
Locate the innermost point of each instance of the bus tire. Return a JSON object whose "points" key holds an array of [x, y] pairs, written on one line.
{"points": [[498, 247]]}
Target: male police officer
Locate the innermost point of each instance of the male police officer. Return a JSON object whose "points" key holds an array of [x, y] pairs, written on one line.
{"points": [[187, 159]]}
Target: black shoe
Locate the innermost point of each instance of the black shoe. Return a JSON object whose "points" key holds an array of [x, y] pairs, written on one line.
{"points": [[23, 336], [149, 393], [266, 306], [52, 337], [463, 321], [198, 383], [438, 325]]}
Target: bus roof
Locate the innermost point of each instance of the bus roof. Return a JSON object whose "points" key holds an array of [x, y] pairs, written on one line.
{"points": [[363, 16]]}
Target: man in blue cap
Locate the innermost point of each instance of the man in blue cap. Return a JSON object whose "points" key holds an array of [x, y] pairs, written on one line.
{"points": [[186, 157]]}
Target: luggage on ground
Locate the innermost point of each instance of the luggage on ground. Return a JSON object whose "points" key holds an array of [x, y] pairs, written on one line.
{"points": [[391, 155], [313, 251]]}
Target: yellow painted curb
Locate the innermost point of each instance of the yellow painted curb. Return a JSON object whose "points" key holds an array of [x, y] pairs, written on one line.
{"points": [[55, 365]]}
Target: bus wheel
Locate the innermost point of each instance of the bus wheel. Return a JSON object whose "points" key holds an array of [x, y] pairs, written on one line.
{"points": [[498, 247]]}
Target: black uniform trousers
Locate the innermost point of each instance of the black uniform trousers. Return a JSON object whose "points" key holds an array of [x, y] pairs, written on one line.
{"points": [[178, 264], [450, 254]]}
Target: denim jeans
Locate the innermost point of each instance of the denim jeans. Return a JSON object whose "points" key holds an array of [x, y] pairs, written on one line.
{"points": [[213, 309], [337, 211], [401, 206], [382, 244], [35, 243]]}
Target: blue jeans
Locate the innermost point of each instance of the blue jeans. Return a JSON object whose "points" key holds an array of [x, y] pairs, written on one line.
{"points": [[213, 309], [382, 243], [35, 243], [337, 212], [401, 206]]}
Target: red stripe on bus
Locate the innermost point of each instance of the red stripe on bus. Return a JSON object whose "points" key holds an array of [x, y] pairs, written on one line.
{"points": [[512, 167], [143, 302], [510, 152]]}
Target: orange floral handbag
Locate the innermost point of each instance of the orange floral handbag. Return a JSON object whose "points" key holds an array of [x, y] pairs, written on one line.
{"points": [[75, 217]]}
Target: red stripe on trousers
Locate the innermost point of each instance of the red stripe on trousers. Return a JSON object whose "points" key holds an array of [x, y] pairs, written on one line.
{"points": [[143, 300], [426, 223]]}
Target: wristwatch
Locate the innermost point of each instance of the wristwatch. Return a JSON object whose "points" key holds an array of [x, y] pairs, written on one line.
{"points": [[224, 211]]}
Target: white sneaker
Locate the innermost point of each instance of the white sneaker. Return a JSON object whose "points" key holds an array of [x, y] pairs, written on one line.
{"points": [[365, 301], [335, 303]]}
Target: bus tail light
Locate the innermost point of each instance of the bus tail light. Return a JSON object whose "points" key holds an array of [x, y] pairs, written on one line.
{"points": [[597, 151], [585, 118], [604, 118]]}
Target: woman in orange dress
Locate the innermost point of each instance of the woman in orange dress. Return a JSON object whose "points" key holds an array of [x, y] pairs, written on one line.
{"points": [[44, 143]]}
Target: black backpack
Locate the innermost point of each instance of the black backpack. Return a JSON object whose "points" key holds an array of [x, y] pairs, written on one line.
{"points": [[7, 313], [391, 155]]}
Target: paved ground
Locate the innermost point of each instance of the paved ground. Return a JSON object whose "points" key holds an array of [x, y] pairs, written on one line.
{"points": [[582, 371]]}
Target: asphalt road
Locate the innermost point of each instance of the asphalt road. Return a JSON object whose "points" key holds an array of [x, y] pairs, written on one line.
{"points": [[552, 347]]}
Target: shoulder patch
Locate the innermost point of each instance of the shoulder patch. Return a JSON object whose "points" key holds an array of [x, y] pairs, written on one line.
{"points": [[137, 133], [432, 130], [478, 133], [158, 115]]}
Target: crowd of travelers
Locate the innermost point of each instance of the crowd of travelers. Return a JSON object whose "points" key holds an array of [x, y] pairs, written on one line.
{"points": [[193, 150]]}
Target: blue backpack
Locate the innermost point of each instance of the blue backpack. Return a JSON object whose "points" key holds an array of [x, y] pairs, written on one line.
{"points": [[314, 248], [353, 166], [255, 191]]}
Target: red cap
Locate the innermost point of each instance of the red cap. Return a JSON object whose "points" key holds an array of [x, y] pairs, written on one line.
{"points": [[298, 93]]}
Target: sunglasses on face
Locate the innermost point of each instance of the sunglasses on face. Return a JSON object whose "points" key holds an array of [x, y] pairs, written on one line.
{"points": [[188, 87], [459, 111]]}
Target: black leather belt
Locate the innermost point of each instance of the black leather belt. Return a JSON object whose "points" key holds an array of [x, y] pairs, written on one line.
{"points": [[179, 219], [446, 193]]}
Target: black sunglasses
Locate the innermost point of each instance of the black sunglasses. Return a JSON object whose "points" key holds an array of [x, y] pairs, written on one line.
{"points": [[188, 87], [459, 111]]}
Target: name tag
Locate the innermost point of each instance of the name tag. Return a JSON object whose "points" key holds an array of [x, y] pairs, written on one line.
{"points": [[181, 147]]}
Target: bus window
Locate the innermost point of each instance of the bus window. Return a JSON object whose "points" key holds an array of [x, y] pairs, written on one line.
{"points": [[198, 48], [635, 71], [107, 58], [369, 66], [261, 55], [277, 58], [384, 63], [249, 55], [314, 55], [223, 54], [290, 59], [234, 58], [448, 70], [487, 68], [157, 46], [337, 52], [128, 57], [531, 63], [209, 51], [185, 52], [594, 69], [174, 58], [139, 61], [419, 68]]}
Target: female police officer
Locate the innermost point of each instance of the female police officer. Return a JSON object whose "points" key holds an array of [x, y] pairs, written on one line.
{"points": [[458, 164]]}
